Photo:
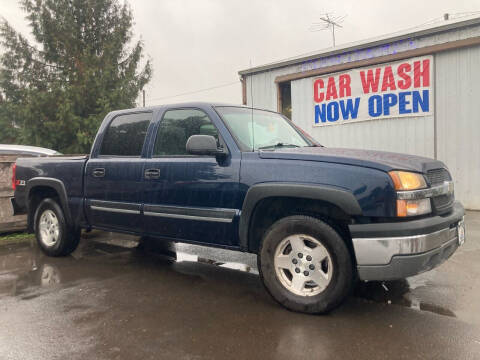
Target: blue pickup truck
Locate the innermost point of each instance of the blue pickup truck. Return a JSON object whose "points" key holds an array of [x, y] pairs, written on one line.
{"points": [[248, 179]]}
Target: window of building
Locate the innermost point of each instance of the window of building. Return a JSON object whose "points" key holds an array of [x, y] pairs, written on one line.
{"points": [[286, 99], [126, 134], [177, 126]]}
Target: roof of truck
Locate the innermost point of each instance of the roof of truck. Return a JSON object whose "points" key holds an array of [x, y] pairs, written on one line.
{"points": [[190, 104]]}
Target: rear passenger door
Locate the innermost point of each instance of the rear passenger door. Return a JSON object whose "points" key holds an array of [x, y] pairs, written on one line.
{"points": [[191, 197], [114, 174]]}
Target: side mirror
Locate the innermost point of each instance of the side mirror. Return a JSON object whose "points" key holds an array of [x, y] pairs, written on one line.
{"points": [[203, 145]]}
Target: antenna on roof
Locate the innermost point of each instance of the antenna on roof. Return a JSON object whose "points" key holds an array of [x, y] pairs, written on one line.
{"points": [[251, 104], [328, 21]]}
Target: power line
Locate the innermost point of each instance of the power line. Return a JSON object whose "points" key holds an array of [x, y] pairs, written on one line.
{"points": [[196, 91]]}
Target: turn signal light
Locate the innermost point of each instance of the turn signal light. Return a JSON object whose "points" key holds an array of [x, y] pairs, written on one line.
{"points": [[404, 180], [413, 207]]}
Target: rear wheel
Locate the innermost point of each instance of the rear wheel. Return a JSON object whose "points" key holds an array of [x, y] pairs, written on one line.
{"points": [[54, 236], [305, 264]]}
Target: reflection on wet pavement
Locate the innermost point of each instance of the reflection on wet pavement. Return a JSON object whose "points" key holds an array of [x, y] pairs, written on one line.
{"points": [[397, 293], [181, 256], [113, 299]]}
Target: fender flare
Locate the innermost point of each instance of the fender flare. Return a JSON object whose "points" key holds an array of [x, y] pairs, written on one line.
{"points": [[55, 184], [340, 197]]}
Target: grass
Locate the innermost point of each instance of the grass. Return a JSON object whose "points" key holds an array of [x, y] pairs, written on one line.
{"points": [[15, 237]]}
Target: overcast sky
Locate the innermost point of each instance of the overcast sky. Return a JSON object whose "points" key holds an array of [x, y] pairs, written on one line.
{"points": [[198, 44]]}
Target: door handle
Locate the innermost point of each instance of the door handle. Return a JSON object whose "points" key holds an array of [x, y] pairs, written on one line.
{"points": [[152, 173], [98, 172]]}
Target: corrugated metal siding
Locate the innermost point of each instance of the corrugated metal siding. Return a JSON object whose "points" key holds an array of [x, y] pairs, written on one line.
{"points": [[412, 135], [457, 78], [264, 89]]}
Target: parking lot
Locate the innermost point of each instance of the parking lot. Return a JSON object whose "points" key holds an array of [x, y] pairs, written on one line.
{"points": [[111, 300]]}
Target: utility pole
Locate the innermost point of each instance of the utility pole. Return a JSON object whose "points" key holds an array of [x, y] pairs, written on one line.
{"points": [[328, 22], [143, 92]]}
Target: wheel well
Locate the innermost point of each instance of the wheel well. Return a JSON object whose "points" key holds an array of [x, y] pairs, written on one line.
{"points": [[269, 210], [35, 197]]}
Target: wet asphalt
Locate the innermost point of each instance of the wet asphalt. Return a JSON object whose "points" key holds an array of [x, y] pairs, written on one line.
{"points": [[112, 300]]}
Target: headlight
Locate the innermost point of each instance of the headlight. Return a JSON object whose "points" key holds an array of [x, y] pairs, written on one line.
{"points": [[404, 180], [413, 207]]}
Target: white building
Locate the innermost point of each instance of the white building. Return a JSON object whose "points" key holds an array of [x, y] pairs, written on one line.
{"points": [[414, 92]]}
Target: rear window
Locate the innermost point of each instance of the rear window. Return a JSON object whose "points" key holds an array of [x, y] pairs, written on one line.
{"points": [[126, 134]]}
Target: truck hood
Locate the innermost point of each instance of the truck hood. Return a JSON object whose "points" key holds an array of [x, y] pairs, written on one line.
{"points": [[381, 160]]}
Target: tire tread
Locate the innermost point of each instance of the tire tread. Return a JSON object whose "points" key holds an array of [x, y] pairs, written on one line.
{"points": [[325, 301]]}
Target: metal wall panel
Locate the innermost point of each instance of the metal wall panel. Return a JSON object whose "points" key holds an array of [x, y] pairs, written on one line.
{"points": [[458, 120], [411, 135], [264, 89]]}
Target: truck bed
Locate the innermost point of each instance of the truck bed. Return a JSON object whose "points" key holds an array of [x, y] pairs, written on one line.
{"points": [[68, 170]]}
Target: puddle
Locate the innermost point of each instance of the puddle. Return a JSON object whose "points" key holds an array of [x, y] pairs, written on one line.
{"points": [[24, 268], [398, 292], [182, 252], [27, 273], [181, 257]]}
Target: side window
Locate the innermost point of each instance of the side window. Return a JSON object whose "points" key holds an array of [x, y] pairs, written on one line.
{"points": [[177, 126], [125, 135]]}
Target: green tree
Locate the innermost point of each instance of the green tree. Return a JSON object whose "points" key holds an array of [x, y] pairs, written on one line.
{"points": [[82, 64]]}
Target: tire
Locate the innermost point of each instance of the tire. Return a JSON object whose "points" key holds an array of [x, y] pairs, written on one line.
{"points": [[54, 236], [305, 290]]}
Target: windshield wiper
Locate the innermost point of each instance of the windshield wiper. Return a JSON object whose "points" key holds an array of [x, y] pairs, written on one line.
{"points": [[277, 145]]}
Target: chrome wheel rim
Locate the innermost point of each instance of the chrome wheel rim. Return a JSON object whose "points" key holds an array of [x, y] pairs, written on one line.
{"points": [[49, 229], [303, 265]]}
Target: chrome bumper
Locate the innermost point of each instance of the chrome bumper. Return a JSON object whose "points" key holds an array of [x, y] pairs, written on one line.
{"points": [[399, 250], [380, 251]]}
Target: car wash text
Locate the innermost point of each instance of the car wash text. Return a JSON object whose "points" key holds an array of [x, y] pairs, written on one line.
{"points": [[388, 90]]}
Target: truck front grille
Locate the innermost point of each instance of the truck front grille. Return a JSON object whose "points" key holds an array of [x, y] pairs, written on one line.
{"points": [[438, 176], [443, 203]]}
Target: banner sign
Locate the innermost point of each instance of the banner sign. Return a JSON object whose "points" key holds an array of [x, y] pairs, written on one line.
{"points": [[391, 90]]}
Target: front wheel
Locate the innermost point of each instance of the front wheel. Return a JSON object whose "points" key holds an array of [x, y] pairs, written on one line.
{"points": [[54, 236], [305, 264]]}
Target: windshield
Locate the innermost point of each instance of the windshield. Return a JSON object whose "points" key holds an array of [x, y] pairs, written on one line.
{"points": [[269, 130]]}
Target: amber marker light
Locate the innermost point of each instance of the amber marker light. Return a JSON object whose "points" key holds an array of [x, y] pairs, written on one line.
{"points": [[404, 180]]}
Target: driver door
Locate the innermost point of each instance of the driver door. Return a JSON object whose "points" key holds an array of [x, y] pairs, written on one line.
{"points": [[190, 197]]}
